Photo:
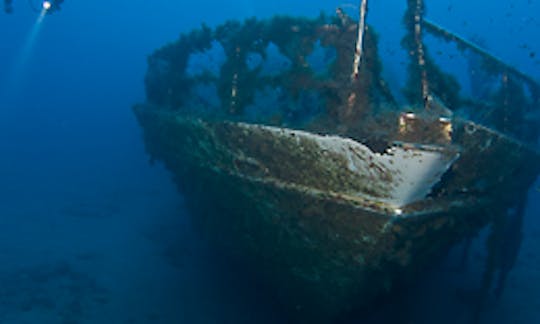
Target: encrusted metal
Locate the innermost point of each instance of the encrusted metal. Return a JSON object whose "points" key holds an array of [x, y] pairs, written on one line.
{"points": [[330, 188]]}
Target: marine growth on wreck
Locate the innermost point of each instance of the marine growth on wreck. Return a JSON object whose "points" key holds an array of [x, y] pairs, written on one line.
{"points": [[332, 186], [296, 72]]}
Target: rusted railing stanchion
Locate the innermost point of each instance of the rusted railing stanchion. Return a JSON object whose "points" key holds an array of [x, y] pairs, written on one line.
{"points": [[359, 40]]}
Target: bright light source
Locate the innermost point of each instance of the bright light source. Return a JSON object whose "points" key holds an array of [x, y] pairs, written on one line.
{"points": [[47, 5]]}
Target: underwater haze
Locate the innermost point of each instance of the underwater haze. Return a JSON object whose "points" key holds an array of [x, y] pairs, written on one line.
{"points": [[92, 232]]}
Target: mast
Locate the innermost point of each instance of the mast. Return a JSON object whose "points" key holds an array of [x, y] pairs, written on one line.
{"points": [[359, 40], [420, 53]]}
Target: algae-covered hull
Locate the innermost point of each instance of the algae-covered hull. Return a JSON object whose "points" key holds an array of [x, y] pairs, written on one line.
{"points": [[286, 203], [294, 154]]}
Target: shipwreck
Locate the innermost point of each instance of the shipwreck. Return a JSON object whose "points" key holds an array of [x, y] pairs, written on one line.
{"points": [[293, 153]]}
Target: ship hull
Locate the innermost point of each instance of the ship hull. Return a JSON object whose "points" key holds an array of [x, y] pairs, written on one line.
{"points": [[323, 252]]}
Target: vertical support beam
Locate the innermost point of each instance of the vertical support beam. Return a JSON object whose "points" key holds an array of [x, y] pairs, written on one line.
{"points": [[420, 54], [359, 40]]}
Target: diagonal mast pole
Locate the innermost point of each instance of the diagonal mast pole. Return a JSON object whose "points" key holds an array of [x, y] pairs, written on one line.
{"points": [[420, 53], [359, 40]]}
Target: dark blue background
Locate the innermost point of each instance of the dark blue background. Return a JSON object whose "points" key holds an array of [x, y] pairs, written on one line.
{"points": [[91, 233]]}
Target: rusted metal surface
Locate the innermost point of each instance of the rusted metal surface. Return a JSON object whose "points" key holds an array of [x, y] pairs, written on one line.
{"points": [[316, 227], [389, 180], [329, 188], [326, 250]]}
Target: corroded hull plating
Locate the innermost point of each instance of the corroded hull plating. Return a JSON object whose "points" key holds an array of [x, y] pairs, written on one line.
{"points": [[327, 235]]}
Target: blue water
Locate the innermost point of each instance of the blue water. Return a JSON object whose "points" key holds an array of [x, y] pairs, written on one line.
{"points": [[90, 232]]}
